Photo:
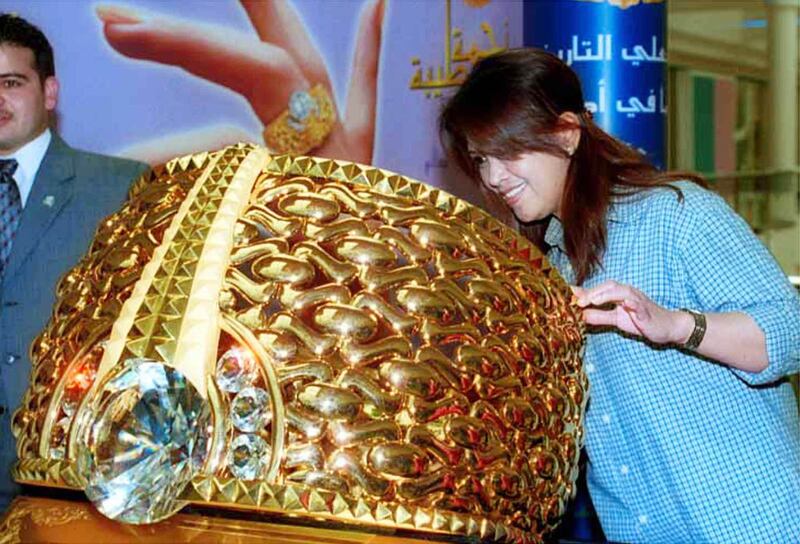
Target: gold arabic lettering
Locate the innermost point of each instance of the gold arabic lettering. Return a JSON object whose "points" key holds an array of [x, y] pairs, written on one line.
{"points": [[454, 69]]}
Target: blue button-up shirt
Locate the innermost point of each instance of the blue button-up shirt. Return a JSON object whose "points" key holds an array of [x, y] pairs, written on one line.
{"points": [[683, 449]]}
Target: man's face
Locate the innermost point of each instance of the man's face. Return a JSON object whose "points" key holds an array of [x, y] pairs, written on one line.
{"points": [[24, 101]]}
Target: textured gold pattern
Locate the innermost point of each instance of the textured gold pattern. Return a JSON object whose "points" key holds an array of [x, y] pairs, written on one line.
{"points": [[422, 360]]}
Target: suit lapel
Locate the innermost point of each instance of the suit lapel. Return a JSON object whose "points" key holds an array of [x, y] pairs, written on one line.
{"points": [[52, 189]]}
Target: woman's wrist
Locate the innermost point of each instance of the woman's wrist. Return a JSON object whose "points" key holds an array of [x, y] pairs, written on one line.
{"points": [[690, 330], [683, 327]]}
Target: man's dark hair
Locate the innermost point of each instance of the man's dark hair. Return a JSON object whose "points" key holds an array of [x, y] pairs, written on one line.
{"points": [[18, 32]]}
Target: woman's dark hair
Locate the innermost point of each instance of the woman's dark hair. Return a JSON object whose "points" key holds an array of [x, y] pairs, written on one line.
{"points": [[511, 104]]}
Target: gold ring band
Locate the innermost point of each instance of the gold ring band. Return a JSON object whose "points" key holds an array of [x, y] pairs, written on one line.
{"points": [[304, 125]]}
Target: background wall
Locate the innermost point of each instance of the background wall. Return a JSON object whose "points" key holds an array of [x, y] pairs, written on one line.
{"points": [[725, 59]]}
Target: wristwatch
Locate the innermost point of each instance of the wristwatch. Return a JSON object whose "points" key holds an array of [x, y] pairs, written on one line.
{"points": [[699, 330]]}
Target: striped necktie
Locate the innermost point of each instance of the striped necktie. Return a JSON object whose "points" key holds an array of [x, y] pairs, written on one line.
{"points": [[10, 210]]}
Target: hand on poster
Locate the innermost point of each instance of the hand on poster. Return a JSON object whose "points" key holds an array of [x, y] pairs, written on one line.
{"points": [[264, 70]]}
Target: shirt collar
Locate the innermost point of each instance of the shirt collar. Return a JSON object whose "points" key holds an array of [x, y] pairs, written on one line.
{"points": [[621, 210], [29, 158], [554, 235]]}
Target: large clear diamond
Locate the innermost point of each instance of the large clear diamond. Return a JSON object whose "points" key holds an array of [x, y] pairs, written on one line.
{"points": [[250, 409], [236, 369], [148, 438], [248, 456]]}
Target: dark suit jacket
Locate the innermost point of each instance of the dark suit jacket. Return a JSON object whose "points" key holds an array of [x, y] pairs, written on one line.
{"points": [[73, 191]]}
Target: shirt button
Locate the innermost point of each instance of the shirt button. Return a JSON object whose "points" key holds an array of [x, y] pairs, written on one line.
{"points": [[10, 359], [606, 418], [624, 469], [643, 519]]}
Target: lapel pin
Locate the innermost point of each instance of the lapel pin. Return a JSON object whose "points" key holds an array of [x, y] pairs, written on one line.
{"points": [[49, 200]]}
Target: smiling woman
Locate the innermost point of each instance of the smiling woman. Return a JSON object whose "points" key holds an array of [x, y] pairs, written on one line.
{"points": [[530, 185], [699, 324], [535, 122]]}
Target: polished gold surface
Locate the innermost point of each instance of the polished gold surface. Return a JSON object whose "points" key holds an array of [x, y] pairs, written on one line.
{"points": [[40, 520], [421, 360]]}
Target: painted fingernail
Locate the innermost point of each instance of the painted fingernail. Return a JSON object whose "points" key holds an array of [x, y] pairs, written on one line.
{"points": [[117, 15]]}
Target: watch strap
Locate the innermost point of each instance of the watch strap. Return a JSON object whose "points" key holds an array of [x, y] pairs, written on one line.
{"points": [[693, 342]]}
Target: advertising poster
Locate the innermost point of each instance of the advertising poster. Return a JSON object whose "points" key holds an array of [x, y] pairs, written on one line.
{"points": [[154, 79]]}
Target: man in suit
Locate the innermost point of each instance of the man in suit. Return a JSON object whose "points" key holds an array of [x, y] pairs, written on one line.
{"points": [[51, 199]]}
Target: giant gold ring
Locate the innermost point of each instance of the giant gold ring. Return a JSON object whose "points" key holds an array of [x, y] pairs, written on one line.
{"points": [[313, 338]]}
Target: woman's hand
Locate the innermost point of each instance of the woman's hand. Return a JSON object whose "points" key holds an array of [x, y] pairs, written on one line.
{"points": [[731, 338], [264, 70], [631, 311]]}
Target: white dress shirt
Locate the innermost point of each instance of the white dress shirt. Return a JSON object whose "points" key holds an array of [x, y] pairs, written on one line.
{"points": [[29, 158]]}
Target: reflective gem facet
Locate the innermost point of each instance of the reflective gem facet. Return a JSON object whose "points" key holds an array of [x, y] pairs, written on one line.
{"points": [[149, 435], [70, 400], [248, 456], [301, 105], [58, 438], [81, 378], [250, 409], [236, 369], [60, 432]]}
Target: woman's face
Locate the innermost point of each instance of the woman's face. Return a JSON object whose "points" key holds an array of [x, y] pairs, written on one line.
{"points": [[532, 185]]}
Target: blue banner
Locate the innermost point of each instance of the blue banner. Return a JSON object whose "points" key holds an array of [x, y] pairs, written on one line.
{"points": [[618, 49]]}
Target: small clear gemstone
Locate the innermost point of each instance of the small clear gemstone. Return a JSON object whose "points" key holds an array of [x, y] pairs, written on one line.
{"points": [[148, 437], [58, 438], [301, 105], [236, 369], [250, 409], [70, 400], [248, 456]]}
